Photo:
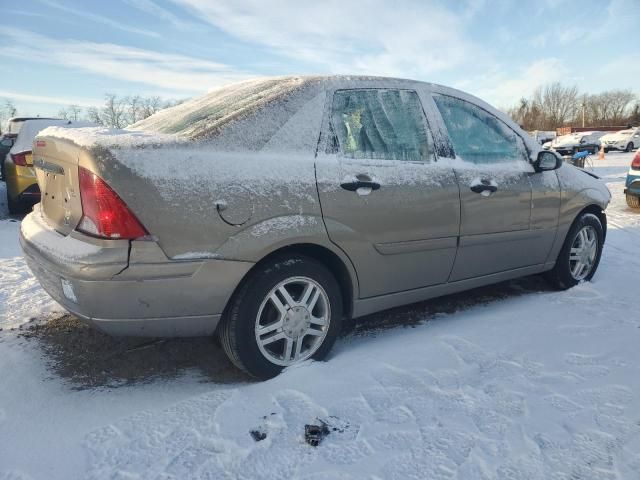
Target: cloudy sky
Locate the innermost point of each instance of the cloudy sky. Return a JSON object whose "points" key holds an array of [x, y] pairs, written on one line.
{"points": [[56, 52]]}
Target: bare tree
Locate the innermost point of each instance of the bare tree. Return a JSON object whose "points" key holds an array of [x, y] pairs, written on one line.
{"points": [[114, 111], [94, 115], [7, 110], [558, 104]]}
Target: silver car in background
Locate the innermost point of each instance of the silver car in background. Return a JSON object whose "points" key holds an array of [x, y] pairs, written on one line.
{"points": [[268, 211]]}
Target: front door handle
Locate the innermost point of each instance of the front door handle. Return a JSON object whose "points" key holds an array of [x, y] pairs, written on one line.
{"points": [[356, 184], [483, 187]]}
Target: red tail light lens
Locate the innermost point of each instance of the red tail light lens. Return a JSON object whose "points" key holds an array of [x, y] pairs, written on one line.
{"points": [[104, 214], [20, 159], [635, 164]]}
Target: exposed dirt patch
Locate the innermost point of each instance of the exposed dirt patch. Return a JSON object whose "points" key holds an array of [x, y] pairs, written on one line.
{"points": [[89, 358]]}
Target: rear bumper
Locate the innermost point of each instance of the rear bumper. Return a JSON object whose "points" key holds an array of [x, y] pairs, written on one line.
{"points": [[95, 281]]}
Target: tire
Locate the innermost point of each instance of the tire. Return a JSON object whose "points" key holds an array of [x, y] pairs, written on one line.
{"points": [[633, 201], [562, 275], [254, 303], [629, 147], [14, 207], [606, 150]]}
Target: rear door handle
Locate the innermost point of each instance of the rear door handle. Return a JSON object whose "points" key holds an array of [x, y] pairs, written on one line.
{"points": [[355, 185]]}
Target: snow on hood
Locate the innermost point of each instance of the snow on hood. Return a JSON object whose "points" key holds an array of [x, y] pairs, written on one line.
{"points": [[110, 137]]}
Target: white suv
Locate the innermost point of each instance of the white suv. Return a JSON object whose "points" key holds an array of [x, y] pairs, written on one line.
{"points": [[625, 140]]}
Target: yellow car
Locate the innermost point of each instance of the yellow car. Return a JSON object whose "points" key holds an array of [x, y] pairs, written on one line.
{"points": [[22, 185]]}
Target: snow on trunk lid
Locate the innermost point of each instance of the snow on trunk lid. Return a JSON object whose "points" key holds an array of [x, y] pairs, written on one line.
{"points": [[56, 165]]}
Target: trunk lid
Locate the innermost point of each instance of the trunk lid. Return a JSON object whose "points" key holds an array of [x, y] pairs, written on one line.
{"points": [[56, 165]]}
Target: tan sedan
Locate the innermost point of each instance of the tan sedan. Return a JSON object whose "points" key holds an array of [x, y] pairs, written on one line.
{"points": [[270, 210]]}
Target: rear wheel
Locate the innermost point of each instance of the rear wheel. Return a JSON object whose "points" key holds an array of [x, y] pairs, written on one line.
{"points": [[14, 207], [287, 311], [633, 201], [580, 255]]}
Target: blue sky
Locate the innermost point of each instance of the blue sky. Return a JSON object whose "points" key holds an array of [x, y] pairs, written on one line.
{"points": [[56, 52]]}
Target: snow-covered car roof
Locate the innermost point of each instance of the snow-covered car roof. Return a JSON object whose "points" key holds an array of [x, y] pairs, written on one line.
{"points": [[31, 128]]}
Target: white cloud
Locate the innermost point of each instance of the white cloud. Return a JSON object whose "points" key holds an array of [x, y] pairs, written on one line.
{"points": [[99, 19], [337, 36], [50, 100], [162, 70], [152, 8]]}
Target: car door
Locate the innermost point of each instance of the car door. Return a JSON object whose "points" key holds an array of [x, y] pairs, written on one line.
{"points": [[493, 170], [385, 200]]}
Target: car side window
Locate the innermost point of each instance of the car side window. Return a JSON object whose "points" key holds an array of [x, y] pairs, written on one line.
{"points": [[383, 124], [478, 136]]}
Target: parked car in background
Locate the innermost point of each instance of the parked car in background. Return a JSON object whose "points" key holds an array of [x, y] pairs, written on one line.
{"points": [[270, 210], [9, 133], [624, 140], [567, 145], [632, 185], [542, 136], [6, 142], [22, 186]]}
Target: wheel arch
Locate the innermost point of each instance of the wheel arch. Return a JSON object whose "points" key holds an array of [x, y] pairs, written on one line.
{"points": [[345, 276], [596, 210]]}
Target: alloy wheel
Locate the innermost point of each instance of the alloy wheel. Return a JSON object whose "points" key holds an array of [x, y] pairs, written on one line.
{"points": [[293, 321], [583, 253]]}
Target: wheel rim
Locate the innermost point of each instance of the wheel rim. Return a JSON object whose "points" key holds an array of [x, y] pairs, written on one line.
{"points": [[583, 253], [293, 321]]}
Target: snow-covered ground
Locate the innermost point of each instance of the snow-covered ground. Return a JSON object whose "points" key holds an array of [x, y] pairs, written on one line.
{"points": [[519, 383]]}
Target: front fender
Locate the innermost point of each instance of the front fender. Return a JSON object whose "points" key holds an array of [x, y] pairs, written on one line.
{"points": [[578, 201]]}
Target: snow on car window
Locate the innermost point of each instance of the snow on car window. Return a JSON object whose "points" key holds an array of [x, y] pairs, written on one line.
{"points": [[204, 117], [478, 136], [381, 124]]}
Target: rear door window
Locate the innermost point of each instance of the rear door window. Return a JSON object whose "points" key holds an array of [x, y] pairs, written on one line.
{"points": [[385, 124], [478, 136]]}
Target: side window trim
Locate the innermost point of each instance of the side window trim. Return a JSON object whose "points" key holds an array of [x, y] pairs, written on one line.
{"points": [[435, 94], [328, 140]]}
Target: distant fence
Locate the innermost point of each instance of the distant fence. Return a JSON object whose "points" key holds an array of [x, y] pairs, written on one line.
{"points": [[568, 130]]}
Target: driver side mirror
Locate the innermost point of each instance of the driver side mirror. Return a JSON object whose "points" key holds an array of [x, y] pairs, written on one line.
{"points": [[547, 161]]}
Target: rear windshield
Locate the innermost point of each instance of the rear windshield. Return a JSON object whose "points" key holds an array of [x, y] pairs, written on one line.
{"points": [[204, 116]]}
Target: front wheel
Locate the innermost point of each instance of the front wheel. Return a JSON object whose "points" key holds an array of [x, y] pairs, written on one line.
{"points": [[633, 201], [580, 255], [287, 311], [629, 147]]}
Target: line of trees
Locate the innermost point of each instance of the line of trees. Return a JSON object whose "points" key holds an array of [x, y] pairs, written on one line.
{"points": [[116, 112], [556, 105]]}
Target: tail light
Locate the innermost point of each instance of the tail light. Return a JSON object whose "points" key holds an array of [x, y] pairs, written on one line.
{"points": [[635, 164], [20, 158], [104, 214]]}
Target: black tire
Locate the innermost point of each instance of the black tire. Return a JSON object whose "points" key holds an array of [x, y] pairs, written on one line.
{"points": [[560, 276], [237, 327], [633, 201], [14, 207], [629, 147], [606, 150]]}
